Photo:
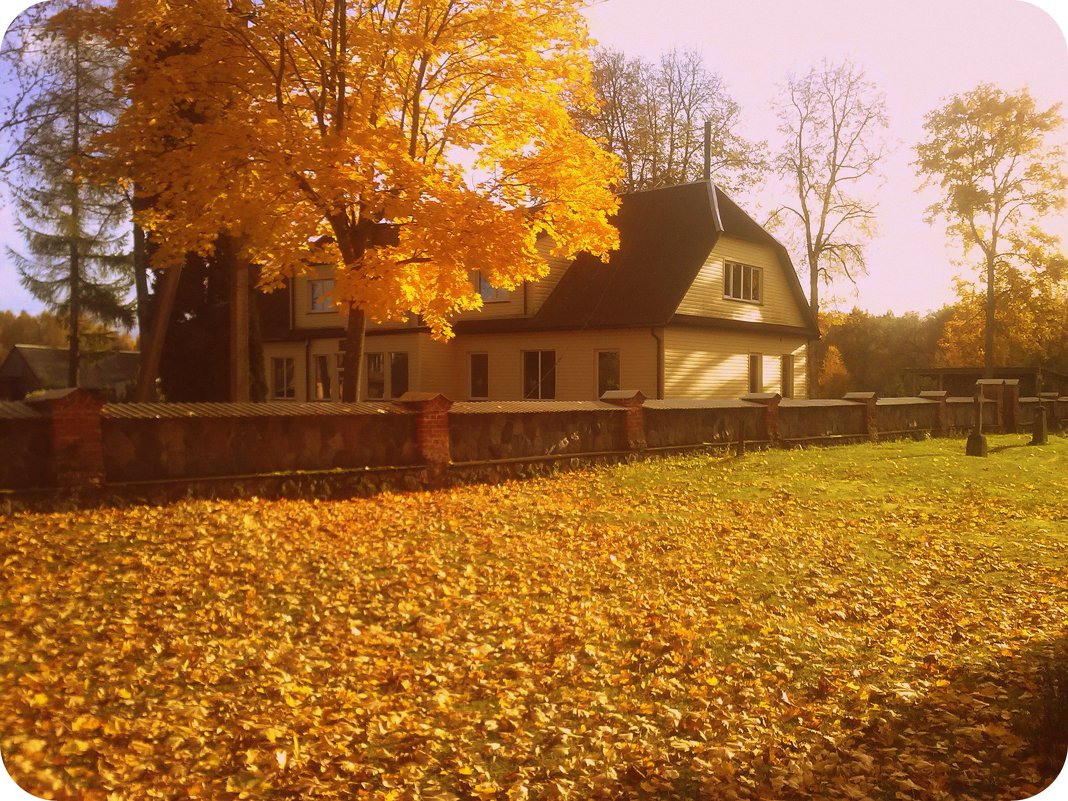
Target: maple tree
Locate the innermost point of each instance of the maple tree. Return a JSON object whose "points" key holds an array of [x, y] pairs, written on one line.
{"points": [[990, 153], [831, 119], [405, 142], [883, 620]]}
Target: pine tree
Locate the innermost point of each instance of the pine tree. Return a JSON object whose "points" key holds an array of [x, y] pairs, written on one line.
{"points": [[76, 260]]}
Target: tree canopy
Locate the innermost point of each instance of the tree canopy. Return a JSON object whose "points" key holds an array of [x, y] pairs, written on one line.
{"points": [[405, 142], [991, 154], [653, 116]]}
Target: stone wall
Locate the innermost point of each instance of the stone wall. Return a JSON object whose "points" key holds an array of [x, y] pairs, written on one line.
{"points": [[195, 440], [68, 439], [487, 431], [679, 423]]}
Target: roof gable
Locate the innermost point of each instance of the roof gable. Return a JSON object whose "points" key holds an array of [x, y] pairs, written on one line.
{"points": [[665, 236]]}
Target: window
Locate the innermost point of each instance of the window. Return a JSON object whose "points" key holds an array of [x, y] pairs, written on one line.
{"points": [[788, 375], [323, 383], [539, 374], [375, 369], [282, 372], [607, 371], [376, 375], [488, 292], [479, 363], [756, 373], [321, 290], [398, 374], [742, 282]]}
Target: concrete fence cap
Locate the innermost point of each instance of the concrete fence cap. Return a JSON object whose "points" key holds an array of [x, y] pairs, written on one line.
{"points": [[762, 397], [860, 396], [990, 382], [431, 399], [615, 395], [65, 396], [934, 394]]}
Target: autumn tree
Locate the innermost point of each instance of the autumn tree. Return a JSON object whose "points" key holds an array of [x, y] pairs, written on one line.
{"points": [[653, 116], [991, 155], [409, 141], [832, 120], [75, 260]]}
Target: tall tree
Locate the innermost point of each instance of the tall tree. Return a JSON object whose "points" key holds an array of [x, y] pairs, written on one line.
{"points": [[832, 120], [75, 230], [410, 140], [991, 154], [653, 116]]}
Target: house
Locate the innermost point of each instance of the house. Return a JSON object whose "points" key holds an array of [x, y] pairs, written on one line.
{"points": [[29, 368], [699, 301]]}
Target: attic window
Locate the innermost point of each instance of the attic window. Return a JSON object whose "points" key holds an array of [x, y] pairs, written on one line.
{"points": [[743, 282], [488, 292]]}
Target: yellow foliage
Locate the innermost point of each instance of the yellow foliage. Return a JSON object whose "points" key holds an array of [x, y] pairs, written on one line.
{"points": [[425, 138]]}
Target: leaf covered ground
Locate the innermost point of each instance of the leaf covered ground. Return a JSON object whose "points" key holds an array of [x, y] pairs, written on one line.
{"points": [[877, 621]]}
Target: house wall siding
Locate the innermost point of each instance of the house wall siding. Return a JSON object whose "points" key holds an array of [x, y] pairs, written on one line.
{"points": [[576, 361], [712, 363], [705, 296]]}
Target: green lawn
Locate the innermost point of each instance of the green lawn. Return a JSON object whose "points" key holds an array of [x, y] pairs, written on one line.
{"points": [[885, 621]]}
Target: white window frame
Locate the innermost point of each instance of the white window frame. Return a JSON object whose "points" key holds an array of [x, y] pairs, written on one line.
{"points": [[541, 373], [743, 282], [288, 389], [320, 296], [471, 375], [787, 372], [387, 359], [488, 292], [755, 372], [619, 369]]}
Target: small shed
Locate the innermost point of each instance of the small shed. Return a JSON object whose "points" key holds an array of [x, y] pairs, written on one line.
{"points": [[31, 368]]}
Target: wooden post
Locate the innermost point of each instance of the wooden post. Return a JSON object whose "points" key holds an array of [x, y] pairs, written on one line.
{"points": [[977, 445]]}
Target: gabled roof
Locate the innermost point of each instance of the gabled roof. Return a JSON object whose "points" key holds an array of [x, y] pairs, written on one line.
{"points": [[48, 366], [665, 238]]}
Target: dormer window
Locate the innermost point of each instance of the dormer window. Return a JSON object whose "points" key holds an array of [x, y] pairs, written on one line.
{"points": [[488, 292], [321, 292], [743, 282]]}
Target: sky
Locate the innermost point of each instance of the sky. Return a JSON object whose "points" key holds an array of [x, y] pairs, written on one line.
{"points": [[917, 51]]}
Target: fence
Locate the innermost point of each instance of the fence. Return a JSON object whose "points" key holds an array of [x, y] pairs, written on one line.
{"points": [[69, 439]]}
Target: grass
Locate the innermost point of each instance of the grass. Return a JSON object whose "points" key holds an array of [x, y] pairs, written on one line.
{"points": [[885, 621]]}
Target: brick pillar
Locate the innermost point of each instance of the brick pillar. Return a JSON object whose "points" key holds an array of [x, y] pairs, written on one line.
{"points": [[1010, 397], [431, 425], [632, 402], [770, 401], [76, 457], [870, 400], [941, 398]]}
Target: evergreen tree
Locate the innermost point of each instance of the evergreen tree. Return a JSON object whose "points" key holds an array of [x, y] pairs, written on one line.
{"points": [[76, 260]]}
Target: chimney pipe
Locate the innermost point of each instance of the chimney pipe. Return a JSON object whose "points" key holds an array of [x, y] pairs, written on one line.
{"points": [[708, 150]]}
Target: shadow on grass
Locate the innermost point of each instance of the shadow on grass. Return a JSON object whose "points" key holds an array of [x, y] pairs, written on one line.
{"points": [[996, 731]]}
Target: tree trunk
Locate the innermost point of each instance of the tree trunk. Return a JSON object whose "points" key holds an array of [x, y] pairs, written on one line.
{"points": [[238, 306], [74, 351], [352, 358], [988, 333], [811, 362], [152, 345]]}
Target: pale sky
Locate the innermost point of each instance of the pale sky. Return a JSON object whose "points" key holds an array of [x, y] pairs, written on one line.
{"points": [[918, 51]]}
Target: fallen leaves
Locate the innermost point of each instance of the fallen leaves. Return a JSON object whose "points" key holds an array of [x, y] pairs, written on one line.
{"points": [[643, 631]]}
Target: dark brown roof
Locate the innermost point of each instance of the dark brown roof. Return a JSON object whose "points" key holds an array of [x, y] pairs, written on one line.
{"points": [[97, 370], [665, 236]]}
